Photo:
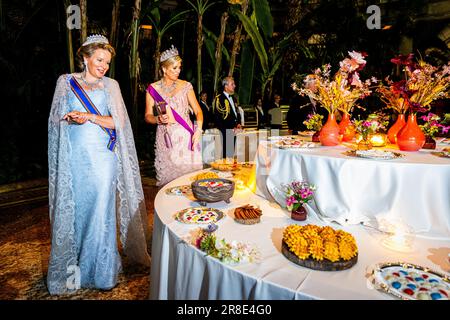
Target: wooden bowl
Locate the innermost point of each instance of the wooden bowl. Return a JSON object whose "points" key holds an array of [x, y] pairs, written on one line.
{"points": [[205, 194]]}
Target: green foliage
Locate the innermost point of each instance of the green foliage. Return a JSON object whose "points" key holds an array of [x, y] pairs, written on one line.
{"points": [[264, 17]]}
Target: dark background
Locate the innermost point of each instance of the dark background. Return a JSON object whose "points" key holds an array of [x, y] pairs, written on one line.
{"points": [[33, 53]]}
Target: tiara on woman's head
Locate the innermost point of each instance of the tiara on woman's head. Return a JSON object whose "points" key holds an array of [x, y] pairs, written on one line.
{"points": [[95, 38], [172, 52]]}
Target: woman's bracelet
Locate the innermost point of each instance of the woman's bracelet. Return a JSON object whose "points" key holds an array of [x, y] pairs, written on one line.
{"points": [[94, 118]]}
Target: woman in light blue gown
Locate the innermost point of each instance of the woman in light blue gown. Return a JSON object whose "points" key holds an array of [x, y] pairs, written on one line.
{"points": [[92, 161]]}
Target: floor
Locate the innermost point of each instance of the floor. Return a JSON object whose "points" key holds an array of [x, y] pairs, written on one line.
{"points": [[25, 248]]}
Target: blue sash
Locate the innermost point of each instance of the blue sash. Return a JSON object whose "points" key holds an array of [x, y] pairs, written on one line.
{"points": [[90, 107]]}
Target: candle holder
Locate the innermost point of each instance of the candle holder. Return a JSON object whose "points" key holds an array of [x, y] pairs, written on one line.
{"points": [[398, 236], [378, 139]]}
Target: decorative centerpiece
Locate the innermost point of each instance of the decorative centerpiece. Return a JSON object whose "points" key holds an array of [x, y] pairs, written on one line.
{"points": [[231, 253], [212, 190], [430, 127], [366, 128], [337, 93], [298, 193], [423, 84], [314, 122], [319, 248], [247, 214]]}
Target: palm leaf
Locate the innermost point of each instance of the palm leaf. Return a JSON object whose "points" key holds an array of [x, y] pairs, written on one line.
{"points": [[256, 38], [264, 17]]}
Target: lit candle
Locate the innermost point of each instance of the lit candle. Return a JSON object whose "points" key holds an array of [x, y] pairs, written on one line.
{"points": [[378, 140]]}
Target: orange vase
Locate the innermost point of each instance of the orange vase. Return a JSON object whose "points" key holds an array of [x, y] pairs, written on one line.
{"points": [[346, 128], [410, 137], [393, 131], [329, 135]]}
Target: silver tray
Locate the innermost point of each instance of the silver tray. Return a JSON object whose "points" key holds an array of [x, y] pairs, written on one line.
{"points": [[199, 215], [352, 153], [411, 282]]}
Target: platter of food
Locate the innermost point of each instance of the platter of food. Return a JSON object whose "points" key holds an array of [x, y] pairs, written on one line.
{"points": [[411, 282], [199, 215]]}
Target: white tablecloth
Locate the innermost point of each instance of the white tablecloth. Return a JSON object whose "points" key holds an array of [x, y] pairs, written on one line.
{"points": [[180, 271], [414, 189]]}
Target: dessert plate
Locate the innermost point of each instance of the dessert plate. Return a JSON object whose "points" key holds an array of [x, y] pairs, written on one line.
{"points": [[374, 154], [199, 215], [411, 282], [179, 190]]}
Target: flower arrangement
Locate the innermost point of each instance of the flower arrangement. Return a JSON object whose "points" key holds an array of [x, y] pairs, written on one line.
{"points": [[298, 193], [313, 121], [422, 85], [371, 125], [342, 90], [432, 126], [320, 243], [232, 253]]}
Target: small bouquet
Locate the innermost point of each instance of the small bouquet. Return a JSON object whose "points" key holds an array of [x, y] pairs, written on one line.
{"points": [[314, 121], [369, 126], [298, 193], [432, 125], [232, 253]]}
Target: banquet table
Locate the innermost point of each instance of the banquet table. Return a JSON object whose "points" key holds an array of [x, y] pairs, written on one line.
{"points": [[181, 271], [413, 190]]}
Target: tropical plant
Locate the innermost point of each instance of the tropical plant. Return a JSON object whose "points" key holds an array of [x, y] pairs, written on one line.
{"points": [[237, 35], [161, 28], [260, 27], [200, 8]]}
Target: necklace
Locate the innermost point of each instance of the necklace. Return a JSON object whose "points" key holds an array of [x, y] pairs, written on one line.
{"points": [[167, 89], [90, 84]]}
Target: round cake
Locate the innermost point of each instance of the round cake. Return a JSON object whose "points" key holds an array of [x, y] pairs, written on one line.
{"points": [[319, 248]]}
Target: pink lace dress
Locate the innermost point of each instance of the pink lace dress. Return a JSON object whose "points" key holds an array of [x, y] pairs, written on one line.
{"points": [[171, 163]]}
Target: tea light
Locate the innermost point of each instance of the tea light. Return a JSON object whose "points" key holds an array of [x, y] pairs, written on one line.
{"points": [[378, 140], [399, 237]]}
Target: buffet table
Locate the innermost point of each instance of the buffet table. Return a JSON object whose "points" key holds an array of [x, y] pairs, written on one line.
{"points": [[413, 189], [181, 271]]}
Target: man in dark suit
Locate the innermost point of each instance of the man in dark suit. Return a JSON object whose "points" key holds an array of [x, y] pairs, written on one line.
{"points": [[227, 116], [207, 119]]}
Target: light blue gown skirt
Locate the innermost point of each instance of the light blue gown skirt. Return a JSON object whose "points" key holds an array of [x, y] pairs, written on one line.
{"points": [[94, 170]]}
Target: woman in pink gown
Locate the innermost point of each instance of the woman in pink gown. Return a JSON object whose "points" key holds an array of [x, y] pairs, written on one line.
{"points": [[177, 146]]}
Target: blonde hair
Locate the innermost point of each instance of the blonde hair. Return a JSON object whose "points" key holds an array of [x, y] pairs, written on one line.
{"points": [[167, 63], [88, 50]]}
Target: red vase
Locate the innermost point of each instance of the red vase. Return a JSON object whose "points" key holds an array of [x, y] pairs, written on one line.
{"points": [[396, 127], [329, 134], [315, 137], [299, 214], [410, 137], [430, 143], [346, 128]]}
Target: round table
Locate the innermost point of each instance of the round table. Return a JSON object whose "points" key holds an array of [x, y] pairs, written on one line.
{"points": [[181, 271], [413, 190]]}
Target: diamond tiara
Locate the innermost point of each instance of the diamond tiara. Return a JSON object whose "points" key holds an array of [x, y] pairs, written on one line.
{"points": [[172, 52], [95, 38]]}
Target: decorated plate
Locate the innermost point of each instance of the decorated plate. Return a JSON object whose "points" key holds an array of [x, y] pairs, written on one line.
{"points": [[179, 190], [295, 144], [411, 282], [277, 138], [199, 215], [307, 133], [374, 154], [442, 154]]}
